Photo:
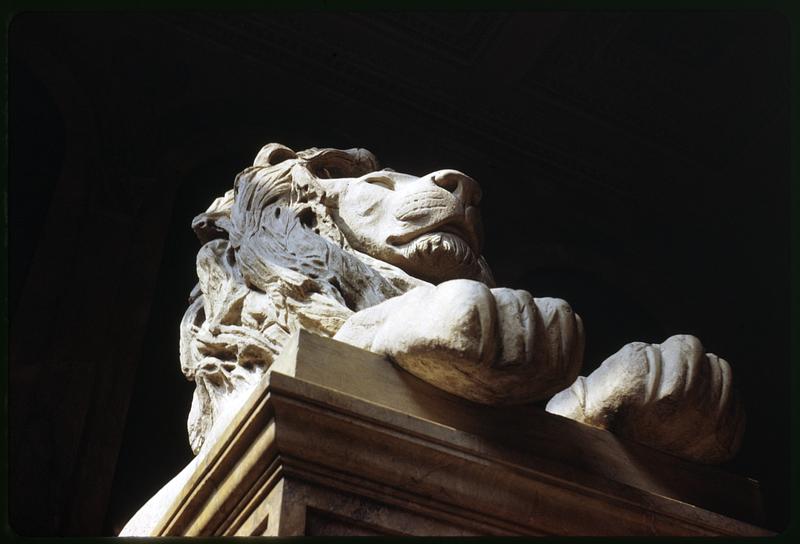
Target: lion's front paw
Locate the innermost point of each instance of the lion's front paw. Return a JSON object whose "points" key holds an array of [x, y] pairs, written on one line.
{"points": [[673, 397], [493, 346]]}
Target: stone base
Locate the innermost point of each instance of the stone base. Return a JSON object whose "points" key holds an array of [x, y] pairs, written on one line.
{"points": [[337, 441]]}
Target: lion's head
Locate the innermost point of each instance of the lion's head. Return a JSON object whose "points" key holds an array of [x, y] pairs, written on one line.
{"points": [[303, 240]]}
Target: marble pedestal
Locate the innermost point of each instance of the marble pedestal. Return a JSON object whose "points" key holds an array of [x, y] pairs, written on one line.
{"points": [[337, 441]]}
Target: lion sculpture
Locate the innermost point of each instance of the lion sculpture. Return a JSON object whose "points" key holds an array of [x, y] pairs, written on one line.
{"points": [[325, 240]]}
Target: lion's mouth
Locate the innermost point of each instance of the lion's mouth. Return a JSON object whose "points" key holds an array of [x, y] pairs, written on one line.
{"points": [[455, 226]]}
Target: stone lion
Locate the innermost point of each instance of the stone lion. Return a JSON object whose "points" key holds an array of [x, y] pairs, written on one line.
{"points": [[327, 241]]}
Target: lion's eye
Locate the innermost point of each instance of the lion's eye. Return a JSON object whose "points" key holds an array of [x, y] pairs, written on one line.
{"points": [[383, 181], [328, 172]]}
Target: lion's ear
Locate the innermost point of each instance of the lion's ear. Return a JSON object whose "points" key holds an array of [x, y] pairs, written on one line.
{"points": [[272, 154]]}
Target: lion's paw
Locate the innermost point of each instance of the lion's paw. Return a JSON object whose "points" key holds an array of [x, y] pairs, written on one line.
{"points": [[671, 396]]}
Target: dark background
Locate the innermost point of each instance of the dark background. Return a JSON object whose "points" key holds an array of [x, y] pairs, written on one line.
{"points": [[635, 164]]}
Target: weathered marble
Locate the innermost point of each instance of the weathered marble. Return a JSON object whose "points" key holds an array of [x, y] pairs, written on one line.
{"points": [[326, 241], [672, 396], [337, 440]]}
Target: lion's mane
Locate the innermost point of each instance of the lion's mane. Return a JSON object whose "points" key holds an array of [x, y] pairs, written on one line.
{"points": [[273, 260]]}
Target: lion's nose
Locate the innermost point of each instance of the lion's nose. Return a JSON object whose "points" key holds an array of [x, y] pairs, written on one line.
{"points": [[462, 186]]}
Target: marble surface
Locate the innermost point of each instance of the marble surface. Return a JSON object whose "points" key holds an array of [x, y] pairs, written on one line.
{"points": [[337, 440], [328, 241]]}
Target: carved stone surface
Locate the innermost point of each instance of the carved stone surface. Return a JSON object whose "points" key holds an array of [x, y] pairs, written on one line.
{"points": [[337, 440], [326, 241], [671, 396]]}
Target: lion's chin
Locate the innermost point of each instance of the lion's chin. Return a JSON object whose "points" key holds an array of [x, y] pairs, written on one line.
{"points": [[440, 256]]}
